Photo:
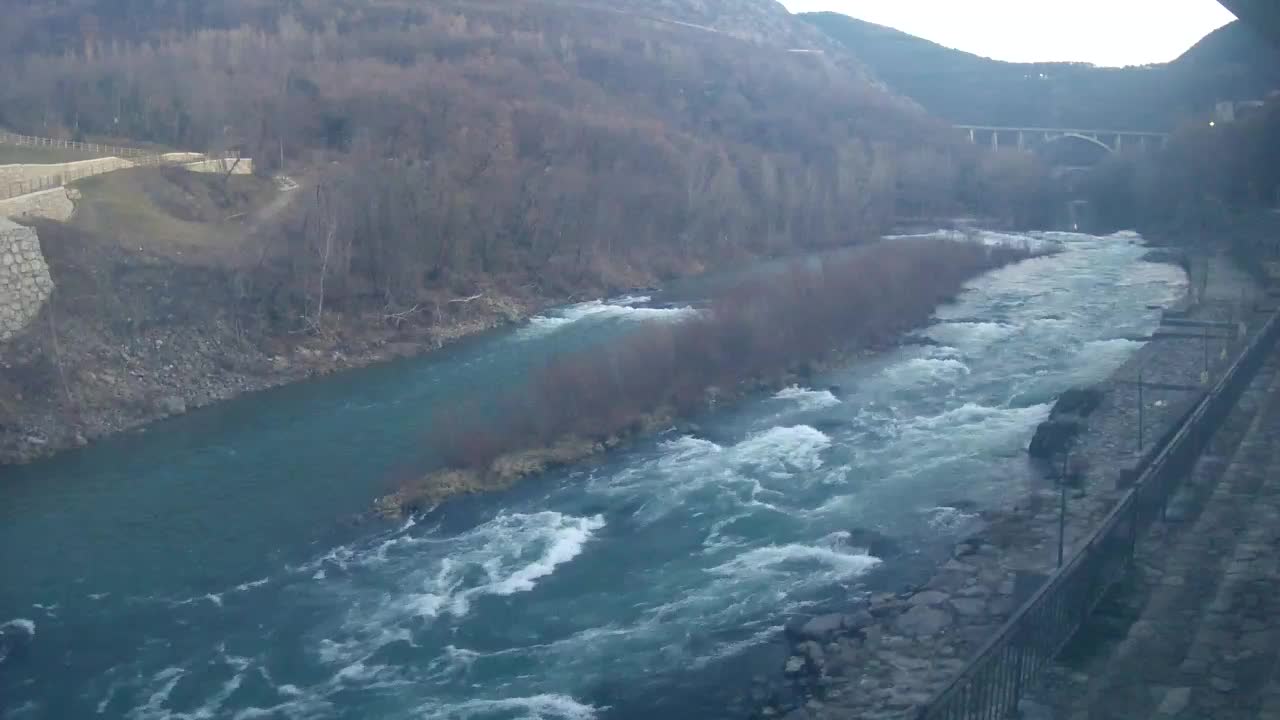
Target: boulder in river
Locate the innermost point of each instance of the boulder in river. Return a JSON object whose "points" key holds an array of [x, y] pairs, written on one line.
{"points": [[877, 544], [171, 405], [828, 425], [1053, 437], [1079, 402], [821, 628], [1067, 418], [1168, 256]]}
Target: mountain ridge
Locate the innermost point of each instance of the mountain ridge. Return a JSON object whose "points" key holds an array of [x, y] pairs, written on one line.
{"points": [[1231, 63]]}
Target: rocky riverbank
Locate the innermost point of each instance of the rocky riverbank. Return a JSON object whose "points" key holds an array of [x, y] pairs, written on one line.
{"points": [[73, 377], [887, 655]]}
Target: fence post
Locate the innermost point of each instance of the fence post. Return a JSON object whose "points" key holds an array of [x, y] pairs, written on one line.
{"points": [[1206, 349], [1141, 409]]}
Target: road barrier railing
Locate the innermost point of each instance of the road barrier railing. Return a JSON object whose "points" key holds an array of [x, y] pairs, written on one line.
{"points": [[991, 684]]}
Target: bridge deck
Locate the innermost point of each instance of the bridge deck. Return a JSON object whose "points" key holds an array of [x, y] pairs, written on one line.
{"points": [[1067, 131]]}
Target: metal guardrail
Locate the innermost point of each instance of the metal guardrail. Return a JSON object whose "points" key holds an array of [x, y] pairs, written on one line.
{"points": [[992, 683]]}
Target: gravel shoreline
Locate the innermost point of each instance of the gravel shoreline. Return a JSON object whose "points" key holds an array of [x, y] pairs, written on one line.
{"points": [[887, 656], [123, 384]]}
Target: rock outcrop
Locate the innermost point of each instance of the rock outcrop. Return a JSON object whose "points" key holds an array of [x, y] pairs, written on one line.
{"points": [[1065, 422]]}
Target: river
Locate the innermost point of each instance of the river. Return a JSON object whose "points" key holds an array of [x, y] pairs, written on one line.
{"points": [[201, 569]]}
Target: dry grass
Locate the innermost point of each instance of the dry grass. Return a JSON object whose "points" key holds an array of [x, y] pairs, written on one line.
{"points": [[171, 213]]}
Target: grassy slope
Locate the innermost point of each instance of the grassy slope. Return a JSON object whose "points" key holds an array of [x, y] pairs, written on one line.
{"points": [[174, 214]]}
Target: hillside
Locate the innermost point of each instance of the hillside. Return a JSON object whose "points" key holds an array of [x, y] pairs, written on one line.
{"points": [[463, 163], [500, 138], [1230, 63]]}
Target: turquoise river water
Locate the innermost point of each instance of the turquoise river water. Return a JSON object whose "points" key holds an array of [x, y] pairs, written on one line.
{"points": [[202, 569]]}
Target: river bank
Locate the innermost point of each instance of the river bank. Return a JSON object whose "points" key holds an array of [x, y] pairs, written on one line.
{"points": [[893, 651], [130, 338], [118, 379]]}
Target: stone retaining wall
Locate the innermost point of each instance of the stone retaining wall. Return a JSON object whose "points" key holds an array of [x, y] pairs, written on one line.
{"points": [[27, 173], [52, 204], [24, 278], [243, 167]]}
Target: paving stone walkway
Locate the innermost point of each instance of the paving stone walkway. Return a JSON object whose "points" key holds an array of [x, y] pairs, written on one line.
{"points": [[1195, 633]]}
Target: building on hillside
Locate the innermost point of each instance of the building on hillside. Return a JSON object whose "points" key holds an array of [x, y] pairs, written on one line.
{"points": [[1229, 111]]}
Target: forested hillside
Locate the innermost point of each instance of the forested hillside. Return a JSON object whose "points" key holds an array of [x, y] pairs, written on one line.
{"points": [[1232, 63], [461, 163], [567, 145]]}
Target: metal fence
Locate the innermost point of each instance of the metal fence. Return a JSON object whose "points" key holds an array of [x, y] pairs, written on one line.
{"points": [[7, 138], [88, 168], [991, 684], [76, 170]]}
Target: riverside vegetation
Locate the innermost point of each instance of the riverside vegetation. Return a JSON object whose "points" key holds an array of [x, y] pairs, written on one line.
{"points": [[758, 334]]}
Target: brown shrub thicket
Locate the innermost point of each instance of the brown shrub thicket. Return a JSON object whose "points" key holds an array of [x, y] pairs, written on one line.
{"points": [[756, 331]]}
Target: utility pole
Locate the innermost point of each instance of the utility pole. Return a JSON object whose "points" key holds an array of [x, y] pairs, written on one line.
{"points": [[1062, 505], [1204, 374], [1141, 410]]}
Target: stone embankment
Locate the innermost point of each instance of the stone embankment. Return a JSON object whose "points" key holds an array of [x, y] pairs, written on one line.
{"points": [[889, 655], [19, 180], [234, 166], [55, 204], [25, 284], [25, 175]]}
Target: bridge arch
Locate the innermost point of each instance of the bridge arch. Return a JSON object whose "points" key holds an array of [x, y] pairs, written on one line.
{"points": [[1078, 136]]}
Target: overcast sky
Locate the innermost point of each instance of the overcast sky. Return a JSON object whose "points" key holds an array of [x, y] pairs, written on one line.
{"points": [[1103, 32]]}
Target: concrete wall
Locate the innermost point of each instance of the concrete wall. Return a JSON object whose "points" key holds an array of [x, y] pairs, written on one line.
{"points": [[18, 174], [52, 204], [244, 167], [24, 278]]}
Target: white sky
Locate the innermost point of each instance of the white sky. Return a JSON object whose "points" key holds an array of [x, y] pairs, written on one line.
{"points": [[1103, 32]]}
